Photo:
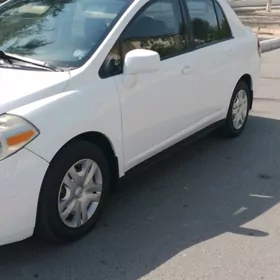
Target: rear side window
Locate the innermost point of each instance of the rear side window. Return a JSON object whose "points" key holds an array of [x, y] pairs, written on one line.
{"points": [[225, 31], [209, 24], [203, 17]]}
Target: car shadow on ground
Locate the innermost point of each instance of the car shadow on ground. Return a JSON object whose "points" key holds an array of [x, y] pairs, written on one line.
{"points": [[199, 192]]}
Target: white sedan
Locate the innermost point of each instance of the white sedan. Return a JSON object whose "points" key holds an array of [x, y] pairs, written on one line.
{"points": [[92, 88]]}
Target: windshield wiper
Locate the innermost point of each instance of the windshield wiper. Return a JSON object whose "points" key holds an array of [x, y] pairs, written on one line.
{"points": [[10, 58]]}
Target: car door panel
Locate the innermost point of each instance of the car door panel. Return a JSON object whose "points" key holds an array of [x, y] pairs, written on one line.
{"points": [[211, 66], [156, 106]]}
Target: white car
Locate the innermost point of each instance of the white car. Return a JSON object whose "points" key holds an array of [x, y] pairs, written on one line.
{"points": [[92, 88]]}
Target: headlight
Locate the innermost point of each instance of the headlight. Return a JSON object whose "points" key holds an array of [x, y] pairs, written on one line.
{"points": [[15, 133]]}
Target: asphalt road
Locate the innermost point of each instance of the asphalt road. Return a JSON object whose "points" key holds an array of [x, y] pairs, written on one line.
{"points": [[208, 211]]}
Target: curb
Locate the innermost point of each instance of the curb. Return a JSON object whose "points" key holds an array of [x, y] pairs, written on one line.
{"points": [[253, 9], [260, 22], [270, 45]]}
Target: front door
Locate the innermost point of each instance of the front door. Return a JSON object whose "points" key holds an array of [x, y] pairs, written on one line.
{"points": [[157, 107]]}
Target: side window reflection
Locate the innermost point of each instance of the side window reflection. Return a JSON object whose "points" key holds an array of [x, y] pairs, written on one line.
{"points": [[159, 27], [204, 21]]}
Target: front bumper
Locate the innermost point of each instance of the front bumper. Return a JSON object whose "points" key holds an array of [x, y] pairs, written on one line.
{"points": [[21, 177]]}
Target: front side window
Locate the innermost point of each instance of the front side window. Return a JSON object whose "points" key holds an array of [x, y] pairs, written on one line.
{"points": [[203, 17], [61, 32], [158, 27]]}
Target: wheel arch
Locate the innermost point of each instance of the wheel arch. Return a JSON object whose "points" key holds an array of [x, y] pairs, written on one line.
{"points": [[104, 144], [248, 80], [99, 140]]}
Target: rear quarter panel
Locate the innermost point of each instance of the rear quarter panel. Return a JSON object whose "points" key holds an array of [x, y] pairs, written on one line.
{"points": [[246, 59]]}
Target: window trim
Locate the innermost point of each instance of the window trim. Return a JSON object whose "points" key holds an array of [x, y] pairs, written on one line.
{"points": [[184, 2], [185, 33], [188, 22]]}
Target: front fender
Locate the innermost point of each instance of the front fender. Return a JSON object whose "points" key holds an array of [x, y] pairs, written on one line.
{"points": [[62, 117]]}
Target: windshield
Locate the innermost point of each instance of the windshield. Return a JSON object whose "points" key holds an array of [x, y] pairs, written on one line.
{"points": [[61, 32]]}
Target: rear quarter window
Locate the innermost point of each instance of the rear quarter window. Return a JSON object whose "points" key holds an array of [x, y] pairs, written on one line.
{"points": [[225, 31]]}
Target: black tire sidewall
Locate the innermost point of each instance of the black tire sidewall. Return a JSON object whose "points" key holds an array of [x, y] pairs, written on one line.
{"points": [[231, 130], [49, 223]]}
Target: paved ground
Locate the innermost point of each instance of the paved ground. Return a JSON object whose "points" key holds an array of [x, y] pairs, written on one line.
{"points": [[209, 211], [253, 14], [265, 24]]}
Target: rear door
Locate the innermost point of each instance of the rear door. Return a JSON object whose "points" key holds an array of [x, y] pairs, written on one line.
{"points": [[213, 55]]}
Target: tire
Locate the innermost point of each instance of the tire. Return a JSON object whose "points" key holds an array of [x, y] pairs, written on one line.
{"points": [[230, 128], [50, 225]]}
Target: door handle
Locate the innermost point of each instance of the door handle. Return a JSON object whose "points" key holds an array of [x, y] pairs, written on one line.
{"points": [[186, 69]]}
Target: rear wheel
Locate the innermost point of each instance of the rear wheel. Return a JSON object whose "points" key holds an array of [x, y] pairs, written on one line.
{"points": [[74, 193], [238, 110]]}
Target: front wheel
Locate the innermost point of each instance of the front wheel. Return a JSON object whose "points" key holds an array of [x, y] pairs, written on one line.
{"points": [[73, 193], [238, 110]]}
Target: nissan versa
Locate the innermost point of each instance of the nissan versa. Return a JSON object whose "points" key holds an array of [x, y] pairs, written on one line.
{"points": [[92, 88]]}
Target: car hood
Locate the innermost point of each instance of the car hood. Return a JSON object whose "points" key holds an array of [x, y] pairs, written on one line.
{"points": [[21, 87]]}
